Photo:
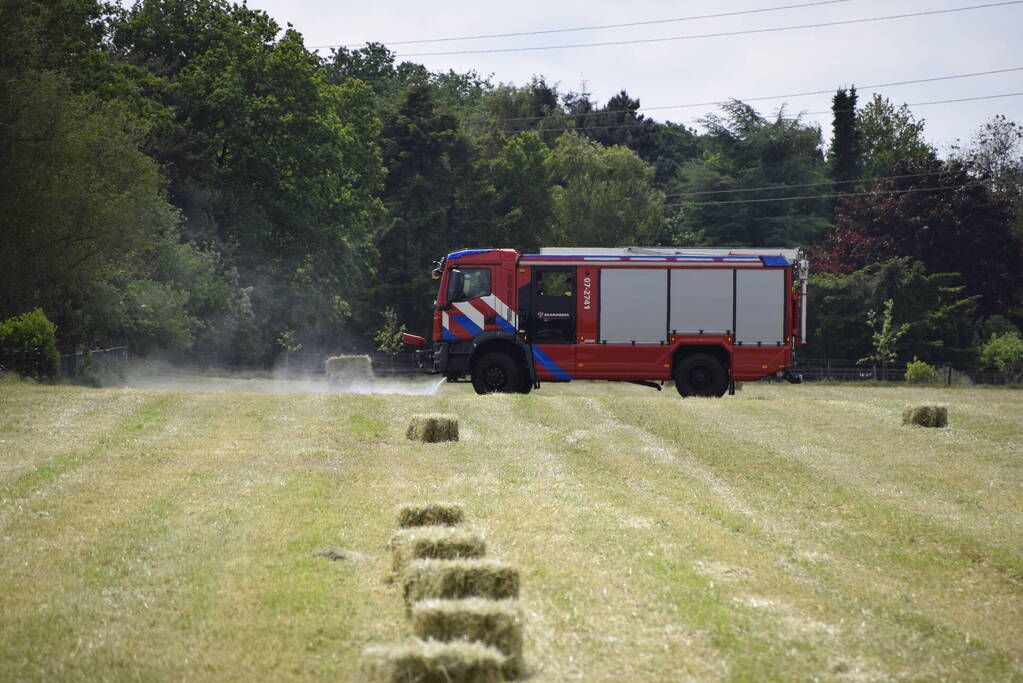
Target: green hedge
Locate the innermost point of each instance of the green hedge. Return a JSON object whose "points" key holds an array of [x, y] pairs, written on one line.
{"points": [[28, 344]]}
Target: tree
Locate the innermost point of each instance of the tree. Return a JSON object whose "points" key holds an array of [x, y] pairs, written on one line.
{"points": [[269, 162], [524, 194], [601, 195], [940, 215], [388, 337], [845, 157], [890, 136], [1005, 353], [939, 314], [429, 166], [995, 156], [885, 337], [742, 151]]}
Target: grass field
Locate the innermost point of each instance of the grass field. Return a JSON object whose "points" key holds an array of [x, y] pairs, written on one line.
{"points": [[789, 532]]}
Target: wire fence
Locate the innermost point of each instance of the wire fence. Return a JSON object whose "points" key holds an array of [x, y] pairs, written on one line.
{"points": [[844, 370], [404, 365]]}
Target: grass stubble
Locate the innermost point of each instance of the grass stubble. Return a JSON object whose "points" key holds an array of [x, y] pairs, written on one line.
{"points": [[789, 532]]}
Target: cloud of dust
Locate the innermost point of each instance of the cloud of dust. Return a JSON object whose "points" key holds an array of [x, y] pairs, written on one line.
{"points": [[159, 376]]}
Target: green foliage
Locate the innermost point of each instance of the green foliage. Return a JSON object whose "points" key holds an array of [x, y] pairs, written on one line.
{"points": [[388, 337], [890, 135], [966, 231], [524, 194], [919, 372], [601, 195], [23, 335], [845, 156], [885, 335], [934, 306], [1004, 352], [743, 150]]}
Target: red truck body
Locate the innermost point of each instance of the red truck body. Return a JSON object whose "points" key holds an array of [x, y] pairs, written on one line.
{"points": [[704, 318]]}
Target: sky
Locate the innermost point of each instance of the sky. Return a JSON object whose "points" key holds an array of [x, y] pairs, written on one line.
{"points": [[670, 73]]}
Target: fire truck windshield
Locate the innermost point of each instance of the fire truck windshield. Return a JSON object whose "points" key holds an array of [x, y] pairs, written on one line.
{"points": [[468, 283]]}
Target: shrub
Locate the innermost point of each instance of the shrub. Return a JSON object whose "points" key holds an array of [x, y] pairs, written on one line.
{"points": [[29, 341], [1004, 352], [919, 372]]}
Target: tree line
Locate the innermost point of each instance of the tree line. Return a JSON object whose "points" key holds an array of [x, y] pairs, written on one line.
{"points": [[186, 174]]}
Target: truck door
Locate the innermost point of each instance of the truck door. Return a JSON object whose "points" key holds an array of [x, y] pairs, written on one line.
{"points": [[550, 325]]}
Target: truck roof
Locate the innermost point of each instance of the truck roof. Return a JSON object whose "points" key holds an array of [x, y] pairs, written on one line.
{"points": [[792, 255]]}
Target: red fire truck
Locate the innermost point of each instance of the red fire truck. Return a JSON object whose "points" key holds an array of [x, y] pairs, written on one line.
{"points": [[704, 318]]}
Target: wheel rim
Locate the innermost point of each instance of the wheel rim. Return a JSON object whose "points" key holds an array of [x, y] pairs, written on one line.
{"points": [[701, 378], [495, 378]]}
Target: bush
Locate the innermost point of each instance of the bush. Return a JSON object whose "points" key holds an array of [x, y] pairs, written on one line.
{"points": [[1004, 352], [28, 343], [919, 372]]}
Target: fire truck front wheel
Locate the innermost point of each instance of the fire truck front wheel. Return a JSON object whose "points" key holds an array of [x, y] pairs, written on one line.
{"points": [[496, 372], [701, 374]]}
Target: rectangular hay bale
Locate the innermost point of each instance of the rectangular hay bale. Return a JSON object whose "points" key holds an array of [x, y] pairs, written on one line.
{"points": [[422, 661], [432, 542], [342, 369], [926, 416], [432, 428], [431, 514], [457, 579], [497, 623]]}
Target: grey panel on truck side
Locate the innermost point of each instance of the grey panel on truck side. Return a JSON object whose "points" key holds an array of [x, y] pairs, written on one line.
{"points": [[701, 300], [633, 305], [760, 306]]}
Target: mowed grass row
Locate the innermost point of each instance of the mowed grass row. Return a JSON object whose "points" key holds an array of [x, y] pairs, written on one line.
{"points": [[786, 532]]}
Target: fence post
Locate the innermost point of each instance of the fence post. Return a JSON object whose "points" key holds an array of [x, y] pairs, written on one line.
{"points": [[948, 375]]}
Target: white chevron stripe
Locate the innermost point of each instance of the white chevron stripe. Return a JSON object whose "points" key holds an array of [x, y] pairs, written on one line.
{"points": [[444, 321], [470, 312], [502, 309]]}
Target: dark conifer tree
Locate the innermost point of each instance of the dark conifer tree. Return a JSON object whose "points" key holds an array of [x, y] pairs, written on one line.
{"points": [[845, 156]]}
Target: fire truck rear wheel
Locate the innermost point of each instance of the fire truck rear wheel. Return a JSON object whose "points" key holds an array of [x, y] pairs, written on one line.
{"points": [[701, 374], [496, 372]]}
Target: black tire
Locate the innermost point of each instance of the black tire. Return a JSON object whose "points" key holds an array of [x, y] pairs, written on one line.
{"points": [[496, 372], [701, 374], [526, 385]]}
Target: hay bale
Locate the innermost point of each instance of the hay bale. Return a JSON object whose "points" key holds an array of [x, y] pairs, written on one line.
{"points": [[432, 542], [432, 662], [457, 579], [348, 369], [432, 428], [497, 623], [926, 416], [433, 514]]}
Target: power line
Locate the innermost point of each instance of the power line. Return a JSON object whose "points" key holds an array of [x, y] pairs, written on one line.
{"points": [[595, 28], [768, 97], [767, 188], [776, 29], [831, 196], [808, 113]]}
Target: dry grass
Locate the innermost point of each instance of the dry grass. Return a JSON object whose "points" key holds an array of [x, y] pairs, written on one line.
{"points": [[790, 532], [432, 428], [432, 542], [432, 662], [497, 623], [431, 514]]}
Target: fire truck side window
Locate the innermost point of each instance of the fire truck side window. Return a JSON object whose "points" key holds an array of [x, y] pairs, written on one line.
{"points": [[468, 283]]}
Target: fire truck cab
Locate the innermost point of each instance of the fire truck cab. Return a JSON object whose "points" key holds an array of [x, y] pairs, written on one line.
{"points": [[703, 318]]}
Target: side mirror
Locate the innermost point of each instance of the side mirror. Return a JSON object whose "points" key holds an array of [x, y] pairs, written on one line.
{"points": [[413, 339], [444, 307]]}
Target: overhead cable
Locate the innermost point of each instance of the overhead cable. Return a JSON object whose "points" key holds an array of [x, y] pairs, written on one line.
{"points": [[768, 188], [831, 196], [721, 34], [761, 98], [651, 122], [594, 28]]}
